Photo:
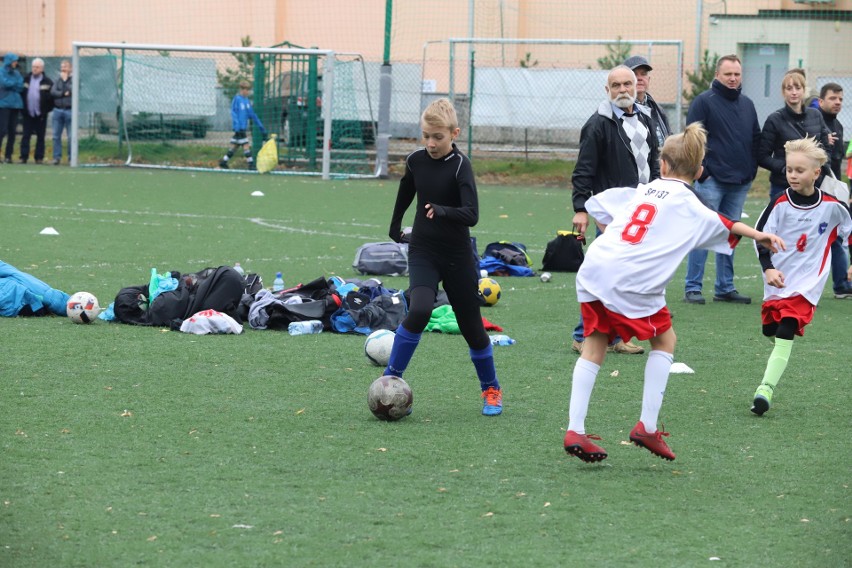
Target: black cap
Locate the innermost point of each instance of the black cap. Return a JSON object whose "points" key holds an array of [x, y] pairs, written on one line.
{"points": [[637, 61]]}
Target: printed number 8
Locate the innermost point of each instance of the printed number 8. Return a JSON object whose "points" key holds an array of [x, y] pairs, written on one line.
{"points": [[636, 229]]}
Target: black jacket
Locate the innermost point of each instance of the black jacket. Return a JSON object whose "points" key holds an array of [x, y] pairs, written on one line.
{"points": [[45, 98], [605, 159], [836, 152], [659, 118], [781, 126]]}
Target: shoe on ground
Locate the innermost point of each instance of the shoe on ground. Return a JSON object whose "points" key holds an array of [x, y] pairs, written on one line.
{"points": [[843, 294], [626, 348], [223, 164], [576, 346], [581, 445], [23, 160], [56, 161], [762, 399], [733, 297], [654, 443], [693, 297], [39, 162], [492, 401]]}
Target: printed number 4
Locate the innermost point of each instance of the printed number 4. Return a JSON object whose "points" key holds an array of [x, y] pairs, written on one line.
{"points": [[802, 243], [641, 219]]}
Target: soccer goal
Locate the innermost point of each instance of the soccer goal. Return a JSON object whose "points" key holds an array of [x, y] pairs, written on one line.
{"points": [[169, 106]]}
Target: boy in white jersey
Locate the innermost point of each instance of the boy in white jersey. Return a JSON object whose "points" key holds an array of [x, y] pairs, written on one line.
{"points": [[648, 231], [794, 279]]}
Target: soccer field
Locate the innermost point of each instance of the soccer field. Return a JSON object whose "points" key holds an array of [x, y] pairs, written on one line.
{"points": [[126, 445]]}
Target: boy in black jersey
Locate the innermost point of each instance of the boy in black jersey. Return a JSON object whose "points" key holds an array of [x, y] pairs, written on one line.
{"points": [[441, 178]]}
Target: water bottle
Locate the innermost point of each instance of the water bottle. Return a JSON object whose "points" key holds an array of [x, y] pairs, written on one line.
{"points": [[501, 340], [306, 327], [239, 269], [278, 283]]}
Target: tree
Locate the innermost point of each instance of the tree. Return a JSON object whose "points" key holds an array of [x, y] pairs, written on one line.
{"points": [[701, 79], [230, 79], [616, 54]]}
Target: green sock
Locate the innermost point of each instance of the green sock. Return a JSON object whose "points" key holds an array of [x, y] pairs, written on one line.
{"points": [[777, 362]]}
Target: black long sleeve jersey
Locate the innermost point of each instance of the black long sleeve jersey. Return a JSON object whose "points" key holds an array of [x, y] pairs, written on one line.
{"points": [[449, 186]]}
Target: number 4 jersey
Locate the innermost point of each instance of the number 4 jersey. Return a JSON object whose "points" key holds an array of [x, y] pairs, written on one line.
{"points": [[808, 224], [650, 230]]}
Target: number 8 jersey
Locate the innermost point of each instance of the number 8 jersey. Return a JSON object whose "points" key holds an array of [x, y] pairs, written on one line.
{"points": [[650, 230], [808, 224]]}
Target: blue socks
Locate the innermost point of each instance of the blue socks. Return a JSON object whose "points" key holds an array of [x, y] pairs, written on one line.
{"points": [[483, 360], [404, 345]]}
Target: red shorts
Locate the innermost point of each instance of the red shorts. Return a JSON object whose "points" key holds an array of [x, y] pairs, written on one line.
{"points": [[597, 318], [796, 307]]}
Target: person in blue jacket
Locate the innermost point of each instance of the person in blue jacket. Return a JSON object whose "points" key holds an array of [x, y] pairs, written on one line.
{"points": [[241, 113], [11, 103]]}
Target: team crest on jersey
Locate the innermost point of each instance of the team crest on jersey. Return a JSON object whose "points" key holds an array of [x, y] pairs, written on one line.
{"points": [[822, 227]]}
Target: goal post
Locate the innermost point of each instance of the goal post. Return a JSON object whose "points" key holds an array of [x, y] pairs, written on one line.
{"points": [[169, 106]]}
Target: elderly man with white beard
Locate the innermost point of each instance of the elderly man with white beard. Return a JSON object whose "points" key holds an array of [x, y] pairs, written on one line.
{"points": [[618, 148]]}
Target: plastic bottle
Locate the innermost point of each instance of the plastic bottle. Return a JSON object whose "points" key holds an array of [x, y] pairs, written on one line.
{"points": [[239, 269], [278, 283], [306, 327], [501, 340]]}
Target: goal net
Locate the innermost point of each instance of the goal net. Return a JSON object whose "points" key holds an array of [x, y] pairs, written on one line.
{"points": [[169, 106]]}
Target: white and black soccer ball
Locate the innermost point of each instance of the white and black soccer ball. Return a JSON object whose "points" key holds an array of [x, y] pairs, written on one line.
{"points": [[378, 347], [82, 307], [390, 398]]}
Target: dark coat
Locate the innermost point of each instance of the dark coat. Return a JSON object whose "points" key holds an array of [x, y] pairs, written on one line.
{"points": [[605, 159], [836, 152], [45, 98], [781, 126]]}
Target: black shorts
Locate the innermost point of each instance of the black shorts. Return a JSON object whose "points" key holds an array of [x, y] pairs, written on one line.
{"points": [[239, 138], [459, 274]]}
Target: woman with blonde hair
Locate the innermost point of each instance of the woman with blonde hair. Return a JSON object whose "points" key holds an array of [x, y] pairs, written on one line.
{"points": [[791, 122], [647, 232]]}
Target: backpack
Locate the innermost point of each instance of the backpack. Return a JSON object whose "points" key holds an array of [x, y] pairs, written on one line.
{"points": [[564, 253], [512, 253], [386, 258]]}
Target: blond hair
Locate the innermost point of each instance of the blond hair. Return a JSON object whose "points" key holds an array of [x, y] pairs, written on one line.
{"points": [[809, 147], [796, 77], [441, 113], [684, 152]]}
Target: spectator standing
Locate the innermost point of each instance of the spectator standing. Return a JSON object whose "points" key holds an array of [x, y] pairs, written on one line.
{"points": [[791, 122], [830, 105], [730, 165], [241, 113], [61, 92], [38, 102], [11, 86], [618, 148], [642, 69]]}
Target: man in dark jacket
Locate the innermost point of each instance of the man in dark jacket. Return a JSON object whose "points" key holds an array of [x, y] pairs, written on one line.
{"points": [[830, 105], [643, 69], [618, 148], [38, 102], [730, 165]]}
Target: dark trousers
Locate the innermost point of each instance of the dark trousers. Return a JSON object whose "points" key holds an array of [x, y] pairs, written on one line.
{"points": [[33, 125], [8, 128]]}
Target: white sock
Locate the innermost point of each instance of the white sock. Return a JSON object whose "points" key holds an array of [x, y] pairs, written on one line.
{"points": [[656, 377], [582, 383]]}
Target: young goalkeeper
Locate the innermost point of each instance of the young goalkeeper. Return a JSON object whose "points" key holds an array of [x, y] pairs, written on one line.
{"points": [[794, 279], [241, 113], [648, 231]]}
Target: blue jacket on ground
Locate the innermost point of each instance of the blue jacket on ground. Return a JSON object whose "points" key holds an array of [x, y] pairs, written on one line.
{"points": [[19, 290], [241, 112], [11, 84], [733, 133]]}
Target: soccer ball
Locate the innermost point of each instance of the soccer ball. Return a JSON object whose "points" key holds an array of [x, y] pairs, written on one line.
{"points": [[390, 398], [489, 289], [378, 347], [82, 307]]}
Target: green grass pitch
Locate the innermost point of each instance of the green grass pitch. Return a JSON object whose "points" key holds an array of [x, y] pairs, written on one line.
{"points": [[138, 446]]}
